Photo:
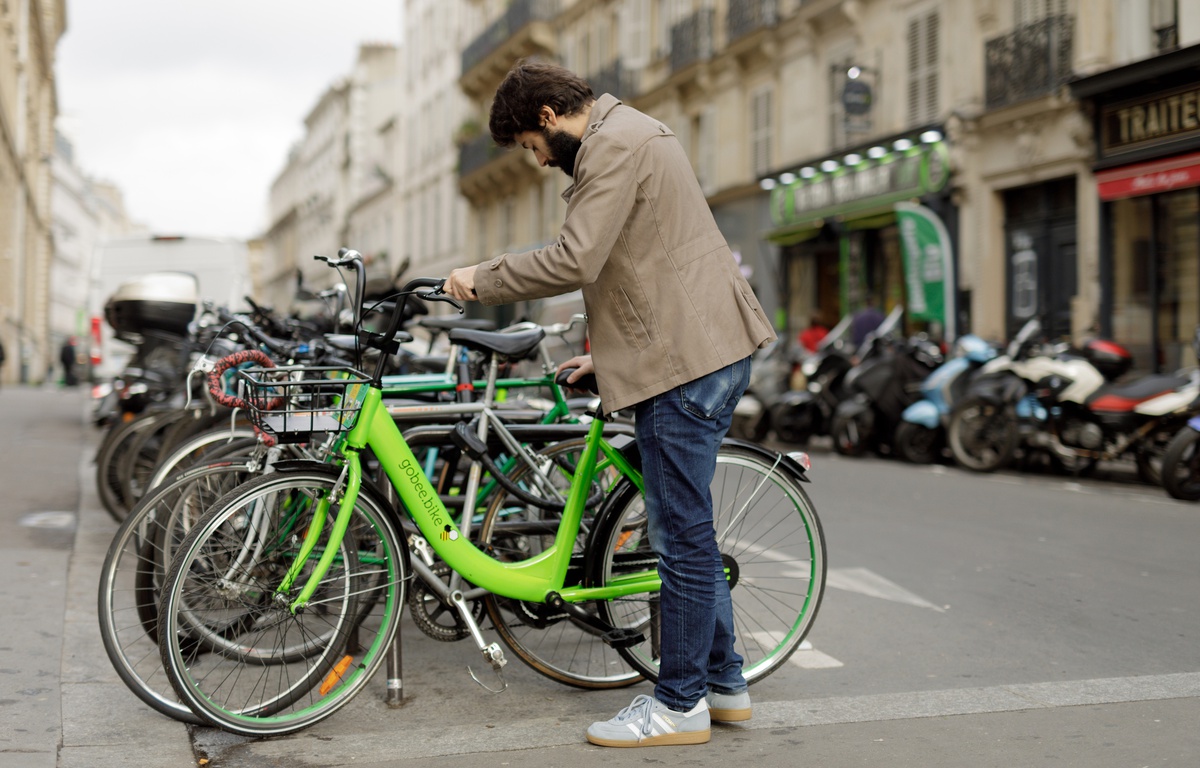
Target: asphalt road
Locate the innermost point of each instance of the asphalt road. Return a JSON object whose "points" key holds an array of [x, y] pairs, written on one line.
{"points": [[1000, 620]]}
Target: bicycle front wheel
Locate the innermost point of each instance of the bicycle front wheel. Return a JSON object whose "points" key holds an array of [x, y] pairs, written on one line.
{"points": [[133, 573], [270, 670], [774, 552]]}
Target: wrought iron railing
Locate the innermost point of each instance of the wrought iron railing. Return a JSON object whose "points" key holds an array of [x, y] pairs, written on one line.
{"points": [[477, 153], [614, 79], [746, 16], [1032, 60], [519, 14], [692, 40]]}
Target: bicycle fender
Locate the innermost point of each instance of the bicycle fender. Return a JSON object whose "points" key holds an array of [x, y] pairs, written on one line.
{"points": [[785, 459], [369, 486]]}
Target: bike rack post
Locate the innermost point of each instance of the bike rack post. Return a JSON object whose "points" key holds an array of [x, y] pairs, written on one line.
{"points": [[395, 676]]}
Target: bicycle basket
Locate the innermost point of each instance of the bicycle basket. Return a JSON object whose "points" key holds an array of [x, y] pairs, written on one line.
{"points": [[292, 403]]}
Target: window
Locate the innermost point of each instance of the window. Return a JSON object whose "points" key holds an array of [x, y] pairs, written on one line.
{"points": [[761, 120], [923, 86], [1029, 11], [634, 23]]}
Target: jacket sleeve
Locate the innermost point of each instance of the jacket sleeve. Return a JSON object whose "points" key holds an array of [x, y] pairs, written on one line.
{"points": [[604, 195]]}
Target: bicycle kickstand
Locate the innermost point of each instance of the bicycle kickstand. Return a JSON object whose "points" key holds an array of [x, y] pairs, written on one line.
{"points": [[493, 654]]}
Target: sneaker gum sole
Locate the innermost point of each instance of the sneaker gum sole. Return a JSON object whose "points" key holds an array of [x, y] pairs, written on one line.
{"points": [[665, 740], [718, 715]]}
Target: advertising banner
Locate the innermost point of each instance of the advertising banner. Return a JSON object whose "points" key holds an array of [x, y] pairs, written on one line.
{"points": [[928, 266]]}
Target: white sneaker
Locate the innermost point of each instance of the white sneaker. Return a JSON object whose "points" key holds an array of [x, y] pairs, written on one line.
{"points": [[728, 707], [647, 722]]}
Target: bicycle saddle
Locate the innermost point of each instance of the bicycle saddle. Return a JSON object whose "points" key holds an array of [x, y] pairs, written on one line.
{"points": [[513, 346]]}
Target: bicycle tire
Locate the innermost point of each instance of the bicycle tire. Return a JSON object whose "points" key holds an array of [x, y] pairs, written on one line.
{"points": [[108, 463], [770, 539], [362, 603], [132, 574], [137, 462], [552, 644], [211, 445]]}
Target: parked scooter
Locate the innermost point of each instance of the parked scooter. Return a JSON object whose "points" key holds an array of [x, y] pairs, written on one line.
{"points": [[1077, 414], [795, 414], [885, 381], [921, 435]]}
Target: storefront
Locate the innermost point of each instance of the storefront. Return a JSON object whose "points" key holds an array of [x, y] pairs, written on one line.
{"points": [[1147, 167], [844, 243]]}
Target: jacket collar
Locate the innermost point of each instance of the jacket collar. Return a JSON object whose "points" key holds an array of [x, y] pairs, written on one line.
{"points": [[596, 117]]}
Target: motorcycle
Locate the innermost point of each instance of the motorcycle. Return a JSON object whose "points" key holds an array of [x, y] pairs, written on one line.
{"points": [[921, 436], [1181, 460], [885, 381], [1065, 402], [797, 402]]}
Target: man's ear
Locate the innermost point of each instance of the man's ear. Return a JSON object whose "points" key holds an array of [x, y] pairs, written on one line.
{"points": [[547, 117]]}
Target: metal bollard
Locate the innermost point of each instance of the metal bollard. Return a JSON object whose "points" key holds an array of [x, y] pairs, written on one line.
{"points": [[395, 676]]}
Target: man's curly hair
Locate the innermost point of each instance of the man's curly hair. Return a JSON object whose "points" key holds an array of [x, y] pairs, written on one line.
{"points": [[528, 86]]}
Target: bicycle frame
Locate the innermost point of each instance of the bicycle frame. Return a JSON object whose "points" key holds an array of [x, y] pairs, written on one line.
{"points": [[530, 580]]}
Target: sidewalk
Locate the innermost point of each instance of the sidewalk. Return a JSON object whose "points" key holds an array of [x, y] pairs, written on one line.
{"points": [[63, 704]]}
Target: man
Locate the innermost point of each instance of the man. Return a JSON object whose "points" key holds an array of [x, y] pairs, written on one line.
{"points": [[672, 323], [864, 321]]}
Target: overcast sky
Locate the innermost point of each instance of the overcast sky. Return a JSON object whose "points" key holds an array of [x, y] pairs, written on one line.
{"points": [[191, 107]]}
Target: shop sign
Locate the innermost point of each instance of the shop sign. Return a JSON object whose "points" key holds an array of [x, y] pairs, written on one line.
{"points": [[914, 172], [1149, 120], [928, 265], [1149, 178]]}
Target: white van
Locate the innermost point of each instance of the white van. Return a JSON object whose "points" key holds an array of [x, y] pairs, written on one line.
{"points": [[220, 267]]}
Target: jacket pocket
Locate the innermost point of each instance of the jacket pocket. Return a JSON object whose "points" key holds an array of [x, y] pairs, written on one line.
{"points": [[635, 329]]}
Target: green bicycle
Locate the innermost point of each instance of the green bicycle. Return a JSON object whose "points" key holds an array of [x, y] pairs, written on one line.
{"points": [[297, 579]]}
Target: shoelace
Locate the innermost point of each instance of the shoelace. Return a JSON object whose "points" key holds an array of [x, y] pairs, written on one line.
{"points": [[646, 705]]}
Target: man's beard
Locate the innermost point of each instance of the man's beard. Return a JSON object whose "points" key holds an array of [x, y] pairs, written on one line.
{"points": [[563, 149]]}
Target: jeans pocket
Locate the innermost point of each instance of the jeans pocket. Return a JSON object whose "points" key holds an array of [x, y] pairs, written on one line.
{"points": [[710, 394]]}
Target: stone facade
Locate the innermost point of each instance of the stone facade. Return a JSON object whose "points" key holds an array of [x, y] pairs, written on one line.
{"points": [[29, 34]]}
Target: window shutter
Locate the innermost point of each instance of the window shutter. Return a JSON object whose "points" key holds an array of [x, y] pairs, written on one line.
{"points": [[761, 108], [924, 84]]}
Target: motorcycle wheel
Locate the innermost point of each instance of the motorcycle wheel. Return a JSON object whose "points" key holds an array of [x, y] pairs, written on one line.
{"points": [[852, 434], [918, 444], [1181, 466], [983, 435], [752, 428], [793, 424]]}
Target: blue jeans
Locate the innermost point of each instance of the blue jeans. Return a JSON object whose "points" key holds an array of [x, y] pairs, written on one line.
{"points": [[678, 433]]}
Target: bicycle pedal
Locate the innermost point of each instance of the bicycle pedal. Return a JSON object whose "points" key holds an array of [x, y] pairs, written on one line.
{"points": [[622, 638]]}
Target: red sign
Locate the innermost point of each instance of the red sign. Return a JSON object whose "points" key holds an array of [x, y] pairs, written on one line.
{"points": [[1148, 178]]}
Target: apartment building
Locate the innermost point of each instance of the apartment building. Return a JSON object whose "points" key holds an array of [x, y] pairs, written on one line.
{"points": [[29, 34], [435, 115], [85, 211], [981, 162], [335, 188]]}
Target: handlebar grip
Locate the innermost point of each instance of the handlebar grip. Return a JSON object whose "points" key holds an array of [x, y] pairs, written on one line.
{"points": [[587, 382]]}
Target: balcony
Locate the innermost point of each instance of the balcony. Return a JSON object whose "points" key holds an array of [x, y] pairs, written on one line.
{"points": [[476, 153], [522, 31], [692, 40], [614, 79], [746, 16], [1032, 60]]}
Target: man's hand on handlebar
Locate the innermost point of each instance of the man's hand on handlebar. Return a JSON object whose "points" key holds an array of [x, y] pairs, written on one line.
{"points": [[461, 284], [582, 364]]}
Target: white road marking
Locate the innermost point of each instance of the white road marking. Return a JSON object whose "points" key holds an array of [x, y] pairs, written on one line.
{"points": [[871, 584]]}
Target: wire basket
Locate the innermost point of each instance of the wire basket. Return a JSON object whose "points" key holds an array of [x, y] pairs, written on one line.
{"points": [[293, 403]]}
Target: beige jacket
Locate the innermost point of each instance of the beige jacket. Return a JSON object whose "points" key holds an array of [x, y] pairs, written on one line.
{"points": [[666, 302]]}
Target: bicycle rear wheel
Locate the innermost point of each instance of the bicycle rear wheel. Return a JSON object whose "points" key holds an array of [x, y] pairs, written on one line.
{"points": [[774, 551], [273, 671], [133, 573]]}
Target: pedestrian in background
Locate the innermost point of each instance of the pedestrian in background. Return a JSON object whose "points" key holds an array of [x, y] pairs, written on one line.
{"points": [[67, 356], [672, 324], [810, 338]]}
